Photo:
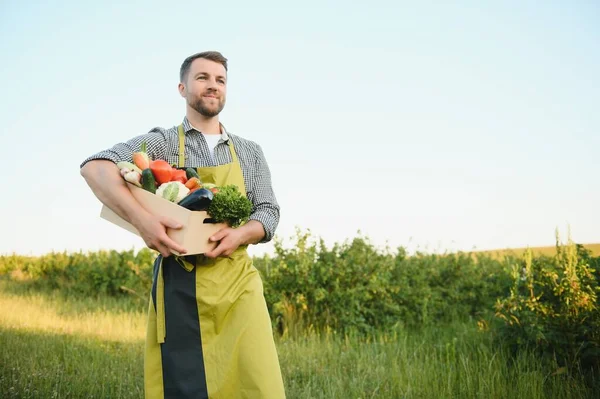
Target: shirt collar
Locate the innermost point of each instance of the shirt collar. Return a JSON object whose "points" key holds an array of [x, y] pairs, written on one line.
{"points": [[187, 126]]}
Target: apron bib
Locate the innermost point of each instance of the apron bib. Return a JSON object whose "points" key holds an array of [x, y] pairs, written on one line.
{"points": [[209, 332]]}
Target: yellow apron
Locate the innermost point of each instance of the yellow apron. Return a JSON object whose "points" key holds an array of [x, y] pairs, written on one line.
{"points": [[209, 332]]}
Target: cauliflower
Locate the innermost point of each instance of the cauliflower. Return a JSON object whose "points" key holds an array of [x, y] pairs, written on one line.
{"points": [[173, 191]]}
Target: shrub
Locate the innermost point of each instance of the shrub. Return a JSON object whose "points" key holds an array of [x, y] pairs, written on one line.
{"points": [[553, 306], [355, 286]]}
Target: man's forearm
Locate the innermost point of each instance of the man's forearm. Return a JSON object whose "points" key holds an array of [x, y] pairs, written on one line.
{"points": [[103, 178], [252, 232], [268, 216]]}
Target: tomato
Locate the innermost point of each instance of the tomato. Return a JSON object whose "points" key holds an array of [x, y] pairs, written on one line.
{"points": [[179, 175], [161, 170]]}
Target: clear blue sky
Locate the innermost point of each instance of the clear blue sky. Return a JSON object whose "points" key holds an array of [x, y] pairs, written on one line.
{"points": [[472, 125]]}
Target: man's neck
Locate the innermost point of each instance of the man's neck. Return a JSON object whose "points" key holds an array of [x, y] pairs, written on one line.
{"points": [[202, 123]]}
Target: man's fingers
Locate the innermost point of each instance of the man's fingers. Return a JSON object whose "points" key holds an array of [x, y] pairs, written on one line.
{"points": [[171, 223], [211, 254], [170, 244], [215, 252], [164, 251], [220, 234], [160, 248]]}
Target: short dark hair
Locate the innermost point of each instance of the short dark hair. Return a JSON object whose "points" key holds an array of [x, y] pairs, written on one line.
{"points": [[209, 55]]}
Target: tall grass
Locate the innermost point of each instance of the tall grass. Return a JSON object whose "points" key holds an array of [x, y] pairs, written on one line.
{"points": [[456, 362], [54, 346]]}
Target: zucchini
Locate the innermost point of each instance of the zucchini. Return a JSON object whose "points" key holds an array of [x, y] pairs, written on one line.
{"points": [[191, 172], [148, 181]]}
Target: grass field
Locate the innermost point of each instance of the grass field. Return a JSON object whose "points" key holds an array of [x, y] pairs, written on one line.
{"points": [[54, 347]]}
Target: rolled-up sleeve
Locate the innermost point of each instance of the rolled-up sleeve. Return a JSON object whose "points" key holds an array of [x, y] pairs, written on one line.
{"points": [[155, 147], [265, 209]]}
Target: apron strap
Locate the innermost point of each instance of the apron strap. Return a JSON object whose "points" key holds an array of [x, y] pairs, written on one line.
{"points": [[161, 329], [181, 158], [234, 157]]}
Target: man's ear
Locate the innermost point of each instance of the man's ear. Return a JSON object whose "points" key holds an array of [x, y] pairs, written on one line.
{"points": [[182, 90]]}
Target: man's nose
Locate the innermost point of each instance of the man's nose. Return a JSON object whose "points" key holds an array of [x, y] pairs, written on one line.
{"points": [[212, 84]]}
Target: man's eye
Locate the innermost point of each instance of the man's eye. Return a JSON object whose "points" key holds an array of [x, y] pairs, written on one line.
{"points": [[201, 77]]}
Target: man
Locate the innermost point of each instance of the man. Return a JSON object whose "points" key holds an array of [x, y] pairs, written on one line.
{"points": [[209, 332]]}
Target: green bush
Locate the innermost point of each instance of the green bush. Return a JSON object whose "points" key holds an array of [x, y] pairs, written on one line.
{"points": [[95, 273], [355, 286], [433, 289], [553, 306]]}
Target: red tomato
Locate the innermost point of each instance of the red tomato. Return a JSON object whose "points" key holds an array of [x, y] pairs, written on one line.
{"points": [[179, 175], [161, 170]]}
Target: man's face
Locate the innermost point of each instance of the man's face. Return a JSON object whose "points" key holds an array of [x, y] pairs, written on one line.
{"points": [[205, 88]]}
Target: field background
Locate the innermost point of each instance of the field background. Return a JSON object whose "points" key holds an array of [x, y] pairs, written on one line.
{"points": [[547, 250], [72, 325]]}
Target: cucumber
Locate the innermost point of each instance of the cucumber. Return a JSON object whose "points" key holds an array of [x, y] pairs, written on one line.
{"points": [[148, 181], [128, 165], [191, 172]]}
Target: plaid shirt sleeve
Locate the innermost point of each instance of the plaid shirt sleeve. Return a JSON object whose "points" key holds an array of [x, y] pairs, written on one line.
{"points": [[155, 141], [265, 207]]}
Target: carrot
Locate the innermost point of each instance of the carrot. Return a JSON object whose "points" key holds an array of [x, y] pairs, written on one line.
{"points": [[140, 158], [193, 183]]}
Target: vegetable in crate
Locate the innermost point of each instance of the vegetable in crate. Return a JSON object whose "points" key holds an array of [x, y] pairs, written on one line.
{"points": [[161, 170], [179, 175], [148, 181], [193, 184], [230, 206], [133, 177], [173, 191], [210, 186], [191, 172], [140, 158], [128, 165], [198, 200], [130, 173]]}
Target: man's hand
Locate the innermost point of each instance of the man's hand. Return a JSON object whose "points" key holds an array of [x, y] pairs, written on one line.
{"points": [[230, 239], [153, 231]]}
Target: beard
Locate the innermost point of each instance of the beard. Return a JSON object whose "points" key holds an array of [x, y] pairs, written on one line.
{"points": [[204, 108]]}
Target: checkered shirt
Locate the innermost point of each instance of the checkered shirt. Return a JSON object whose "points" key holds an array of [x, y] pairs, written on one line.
{"points": [[164, 144]]}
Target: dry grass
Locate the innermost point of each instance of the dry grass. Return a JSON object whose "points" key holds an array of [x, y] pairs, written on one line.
{"points": [[548, 251], [45, 314]]}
